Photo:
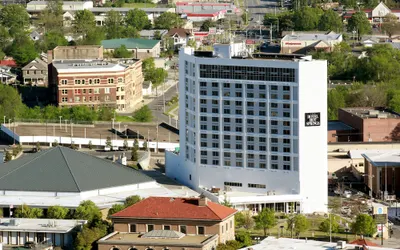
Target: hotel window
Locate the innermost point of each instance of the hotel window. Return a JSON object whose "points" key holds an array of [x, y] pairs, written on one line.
{"points": [[150, 228], [90, 81], [110, 80], [286, 123], [64, 92], [286, 141], [84, 91], [274, 157], [97, 81], [274, 123], [274, 166], [82, 81], [251, 185], [166, 227], [274, 96], [201, 230], [286, 150], [232, 184], [182, 229], [273, 87], [263, 165], [286, 132], [274, 140], [64, 82], [77, 81], [250, 165], [286, 158], [132, 228], [286, 97], [286, 106], [286, 114], [274, 105], [77, 91], [286, 167], [286, 88]]}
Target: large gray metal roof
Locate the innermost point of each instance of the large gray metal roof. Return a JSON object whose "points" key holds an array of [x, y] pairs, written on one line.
{"points": [[61, 169]]}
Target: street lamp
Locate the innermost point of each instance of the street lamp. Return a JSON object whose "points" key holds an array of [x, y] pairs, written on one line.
{"points": [[60, 120]]}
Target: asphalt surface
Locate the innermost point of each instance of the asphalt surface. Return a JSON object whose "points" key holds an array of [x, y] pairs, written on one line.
{"points": [[157, 105]]}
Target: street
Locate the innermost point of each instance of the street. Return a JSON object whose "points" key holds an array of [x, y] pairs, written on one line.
{"points": [[156, 105]]}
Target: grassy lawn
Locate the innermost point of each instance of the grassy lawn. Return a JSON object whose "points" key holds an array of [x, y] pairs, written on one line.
{"points": [[140, 5], [121, 118], [171, 108]]}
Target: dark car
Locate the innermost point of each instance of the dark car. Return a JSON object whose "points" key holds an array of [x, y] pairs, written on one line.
{"points": [[30, 244]]}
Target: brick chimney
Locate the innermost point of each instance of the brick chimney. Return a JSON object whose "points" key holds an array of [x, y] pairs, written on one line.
{"points": [[49, 56], [203, 200]]}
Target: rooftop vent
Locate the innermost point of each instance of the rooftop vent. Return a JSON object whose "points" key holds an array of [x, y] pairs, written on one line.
{"points": [[341, 244]]}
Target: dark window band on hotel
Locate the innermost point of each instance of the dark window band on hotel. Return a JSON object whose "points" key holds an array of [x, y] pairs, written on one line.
{"points": [[247, 73]]}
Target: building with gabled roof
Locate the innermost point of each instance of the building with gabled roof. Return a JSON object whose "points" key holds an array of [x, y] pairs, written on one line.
{"points": [[199, 224], [65, 177], [302, 43], [35, 72]]}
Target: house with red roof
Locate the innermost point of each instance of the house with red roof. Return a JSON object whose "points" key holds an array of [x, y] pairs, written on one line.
{"points": [[375, 15], [159, 223]]}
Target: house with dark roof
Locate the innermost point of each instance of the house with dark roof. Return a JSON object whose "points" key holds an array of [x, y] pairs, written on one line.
{"points": [[65, 177], [181, 36], [141, 48], [194, 223]]}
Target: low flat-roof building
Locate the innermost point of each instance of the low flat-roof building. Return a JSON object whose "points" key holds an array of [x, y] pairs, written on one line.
{"points": [[302, 43], [382, 173], [86, 52], [45, 232], [193, 7], [171, 223], [371, 124], [339, 132], [141, 48]]}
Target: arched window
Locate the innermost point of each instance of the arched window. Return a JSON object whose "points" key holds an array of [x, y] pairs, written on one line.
{"points": [[149, 248], [132, 248], [114, 248]]}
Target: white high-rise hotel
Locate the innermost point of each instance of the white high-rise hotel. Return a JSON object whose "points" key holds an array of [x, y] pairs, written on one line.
{"points": [[253, 129]]}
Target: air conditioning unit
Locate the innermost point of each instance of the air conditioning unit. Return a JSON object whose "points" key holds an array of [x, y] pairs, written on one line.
{"points": [[341, 244]]}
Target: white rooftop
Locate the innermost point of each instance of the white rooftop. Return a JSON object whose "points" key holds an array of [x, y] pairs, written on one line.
{"points": [[312, 37], [382, 158], [271, 243], [39, 225], [236, 197]]}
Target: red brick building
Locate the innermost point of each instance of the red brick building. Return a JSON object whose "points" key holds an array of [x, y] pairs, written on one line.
{"points": [[113, 83], [371, 124], [171, 223]]}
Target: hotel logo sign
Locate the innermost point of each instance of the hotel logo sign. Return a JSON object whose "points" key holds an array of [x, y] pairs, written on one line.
{"points": [[312, 119]]}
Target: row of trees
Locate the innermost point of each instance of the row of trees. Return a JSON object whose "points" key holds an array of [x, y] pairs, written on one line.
{"points": [[346, 4], [307, 18], [364, 224], [11, 107]]}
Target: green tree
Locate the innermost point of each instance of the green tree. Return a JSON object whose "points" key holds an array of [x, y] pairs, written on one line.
{"points": [[394, 100], [137, 19], [93, 37], [192, 43], [391, 25], [330, 21], [144, 114], [265, 220], [148, 64], [329, 224], [15, 18], [136, 144], [298, 223], [8, 156], [57, 212], [86, 239], [122, 52], [5, 38], [84, 23], [87, 210], [359, 23], [23, 50], [145, 146], [336, 100], [51, 18], [38, 147], [55, 143], [364, 225], [229, 245], [113, 25], [129, 201], [25, 211], [168, 20], [134, 154], [243, 237], [207, 25], [157, 76], [90, 145], [244, 219], [156, 36], [306, 18], [115, 209], [131, 32], [53, 39]]}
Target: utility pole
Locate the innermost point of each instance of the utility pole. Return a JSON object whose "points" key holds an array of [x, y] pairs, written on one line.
{"points": [[72, 129], [330, 227], [163, 96], [270, 32]]}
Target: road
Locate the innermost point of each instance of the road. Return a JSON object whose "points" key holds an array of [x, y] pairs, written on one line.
{"points": [[157, 105]]}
